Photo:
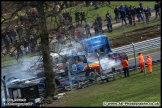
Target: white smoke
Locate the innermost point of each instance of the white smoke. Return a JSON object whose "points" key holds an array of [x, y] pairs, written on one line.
{"points": [[71, 48], [107, 63]]}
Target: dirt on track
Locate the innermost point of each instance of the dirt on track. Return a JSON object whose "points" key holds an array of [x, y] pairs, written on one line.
{"points": [[136, 36]]}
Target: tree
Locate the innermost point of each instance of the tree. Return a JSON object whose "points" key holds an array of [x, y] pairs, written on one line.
{"points": [[45, 23], [43, 33]]}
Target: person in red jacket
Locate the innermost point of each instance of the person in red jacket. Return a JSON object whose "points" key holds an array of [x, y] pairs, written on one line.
{"points": [[149, 63], [125, 67]]}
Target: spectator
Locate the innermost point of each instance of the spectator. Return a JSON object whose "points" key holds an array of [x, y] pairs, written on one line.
{"points": [[20, 30], [8, 32], [133, 12], [160, 9], [67, 14], [87, 3], [61, 19], [77, 18], [7, 44], [70, 19], [109, 21], [32, 43], [139, 14], [122, 8], [17, 45], [150, 10], [109, 3], [130, 16], [21, 19], [96, 5], [87, 29], [13, 34], [59, 37], [63, 29], [82, 14], [116, 11], [96, 27], [3, 35], [99, 20], [57, 7], [146, 11], [39, 47], [126, 10], [123, 16], [157, 7], [26, 49], [76, 34], [142, 9], [33, 33], [141, 6]]}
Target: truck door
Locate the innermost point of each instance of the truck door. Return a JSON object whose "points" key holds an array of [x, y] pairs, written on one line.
{"points": [[81, 62]]}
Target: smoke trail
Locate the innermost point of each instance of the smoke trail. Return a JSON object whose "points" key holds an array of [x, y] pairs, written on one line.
{"points": [[107, 63]]}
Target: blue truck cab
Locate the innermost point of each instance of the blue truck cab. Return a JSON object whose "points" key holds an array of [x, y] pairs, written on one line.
{"points": [[96, 43]]}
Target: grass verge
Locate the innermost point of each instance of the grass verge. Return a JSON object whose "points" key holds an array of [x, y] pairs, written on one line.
{"points": [[136, 88]]}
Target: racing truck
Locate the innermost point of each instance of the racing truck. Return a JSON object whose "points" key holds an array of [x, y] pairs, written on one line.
{"points": [[85, 65], [100, 44], [81, 70]]}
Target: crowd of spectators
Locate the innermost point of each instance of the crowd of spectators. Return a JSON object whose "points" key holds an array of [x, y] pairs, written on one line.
{"points": [[14, 35], [122, 14]]}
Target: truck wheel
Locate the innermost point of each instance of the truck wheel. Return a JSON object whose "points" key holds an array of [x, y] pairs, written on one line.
{"points": [[92, 75]]}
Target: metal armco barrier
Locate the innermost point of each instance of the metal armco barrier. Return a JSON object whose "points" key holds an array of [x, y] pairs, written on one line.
{"points": [[140, 46]]}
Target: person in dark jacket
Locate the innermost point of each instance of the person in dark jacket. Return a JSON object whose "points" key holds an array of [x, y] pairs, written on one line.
{"points": [[8, 31], [82, 14], [7, 44], [157, 7], [109, 22], [13, 34], [116, 11], [99, 19], [123, 17], [87, 29], [18, 48], [130, 16], [146, 11], [139, 14], [77, 18], [141, 5], [96, 27], [133, 12]]}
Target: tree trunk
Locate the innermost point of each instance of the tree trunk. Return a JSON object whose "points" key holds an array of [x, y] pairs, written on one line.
{"points": [[47, 61]]}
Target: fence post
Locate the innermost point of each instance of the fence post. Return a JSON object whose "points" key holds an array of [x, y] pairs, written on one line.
{"points": [[113, 70], [99, 63], [144, 67], [69, 74], [134, 56]]}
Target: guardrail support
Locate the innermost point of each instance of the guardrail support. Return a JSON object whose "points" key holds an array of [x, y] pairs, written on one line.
{"points": [[134, 56], [113, 71]]}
